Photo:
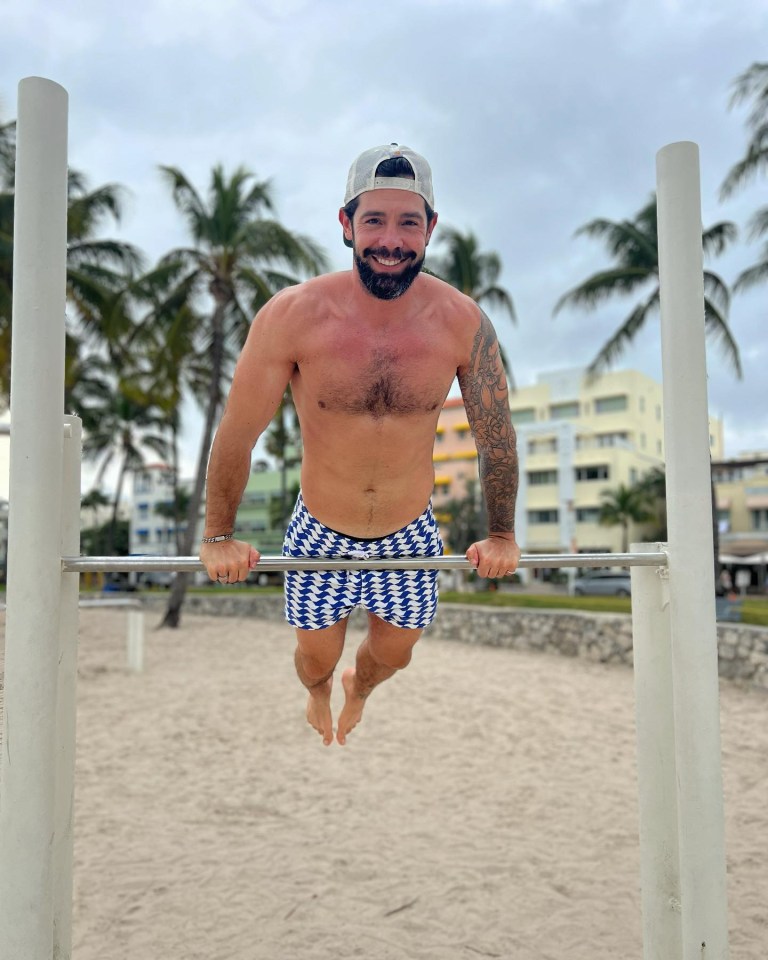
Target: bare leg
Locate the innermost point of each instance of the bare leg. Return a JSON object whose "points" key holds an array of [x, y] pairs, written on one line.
{"points": [[317, 654], [385, 650]]}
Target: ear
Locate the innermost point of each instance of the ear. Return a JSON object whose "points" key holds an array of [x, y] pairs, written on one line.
{"points": [[346, 224], [431, 226]]}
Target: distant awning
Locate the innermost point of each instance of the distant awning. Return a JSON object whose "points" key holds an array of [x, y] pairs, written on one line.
{"points": [[755, 560], [758, 503], [723, 503]]}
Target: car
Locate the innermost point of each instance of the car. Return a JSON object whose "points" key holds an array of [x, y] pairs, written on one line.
{"points": [[613, 583]]}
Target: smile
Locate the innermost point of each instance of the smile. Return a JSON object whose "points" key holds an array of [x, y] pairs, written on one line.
{"points": [[385, 262]]}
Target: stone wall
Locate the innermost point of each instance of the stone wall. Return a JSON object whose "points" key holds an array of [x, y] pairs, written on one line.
{"points": [[602, 637]]}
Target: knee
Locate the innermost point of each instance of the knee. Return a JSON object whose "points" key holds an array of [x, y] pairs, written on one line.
{"points": [[315, 666], [396, 656]]}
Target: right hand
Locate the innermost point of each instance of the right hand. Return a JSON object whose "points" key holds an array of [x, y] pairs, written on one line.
{"points": [[229, 561]]}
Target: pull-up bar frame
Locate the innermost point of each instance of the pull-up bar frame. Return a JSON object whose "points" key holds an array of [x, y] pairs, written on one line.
{"points": [[681, 813], [193, 565]]}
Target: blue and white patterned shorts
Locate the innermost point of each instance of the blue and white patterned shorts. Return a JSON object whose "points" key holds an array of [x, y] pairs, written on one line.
{"points": [[319, 598]]}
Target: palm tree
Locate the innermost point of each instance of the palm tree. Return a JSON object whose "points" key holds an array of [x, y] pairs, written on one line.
{"points": [[118, 427], [752, 84], [240, 258], [623, 506], [476, 274], [633, 247], [97, 269], [283, 442], [653, 488]]}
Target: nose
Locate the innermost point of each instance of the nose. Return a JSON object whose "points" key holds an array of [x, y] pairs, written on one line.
{"points": [[391, 236]]}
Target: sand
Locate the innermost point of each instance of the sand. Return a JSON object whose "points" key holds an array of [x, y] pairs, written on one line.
{"points": [[485, 807]]}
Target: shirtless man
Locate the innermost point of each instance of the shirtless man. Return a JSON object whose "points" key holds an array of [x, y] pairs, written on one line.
{"points": [[370, 355]]}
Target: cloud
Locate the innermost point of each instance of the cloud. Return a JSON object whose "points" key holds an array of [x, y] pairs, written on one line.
{"points": [[537, 116]]}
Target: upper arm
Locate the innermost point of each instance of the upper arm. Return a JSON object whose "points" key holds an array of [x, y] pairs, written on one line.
{"points": [[262, 373], [484, 388]]}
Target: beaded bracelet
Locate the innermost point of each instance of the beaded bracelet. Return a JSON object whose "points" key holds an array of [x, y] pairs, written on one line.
{"points": [[224, 536]]}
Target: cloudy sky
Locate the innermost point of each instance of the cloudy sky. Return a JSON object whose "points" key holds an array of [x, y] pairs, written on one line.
{"points": [[536, 115]]}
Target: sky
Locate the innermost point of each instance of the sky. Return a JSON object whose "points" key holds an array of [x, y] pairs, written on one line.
{"points": [[536, 116]]}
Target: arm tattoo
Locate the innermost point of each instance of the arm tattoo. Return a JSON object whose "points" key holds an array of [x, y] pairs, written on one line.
{"points": [[486, 399]]}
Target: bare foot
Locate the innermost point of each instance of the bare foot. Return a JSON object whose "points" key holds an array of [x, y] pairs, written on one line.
{"points": [[352, 711], [319, 710]]}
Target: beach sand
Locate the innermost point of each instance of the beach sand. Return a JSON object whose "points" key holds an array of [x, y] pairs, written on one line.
{"points": [[485, 807]]}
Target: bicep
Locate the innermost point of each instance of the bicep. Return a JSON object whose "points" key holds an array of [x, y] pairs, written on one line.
{"points": [[483, 384], [262, 374]]}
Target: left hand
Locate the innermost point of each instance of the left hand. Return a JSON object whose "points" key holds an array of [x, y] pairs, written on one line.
{"points": [[497, 556]]}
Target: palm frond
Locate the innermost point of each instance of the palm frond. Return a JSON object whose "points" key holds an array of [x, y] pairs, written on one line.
{"points": [[615, 346], [604, 285]]}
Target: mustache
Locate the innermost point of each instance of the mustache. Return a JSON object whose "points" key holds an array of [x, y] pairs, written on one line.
{"points": [[387, 254]]}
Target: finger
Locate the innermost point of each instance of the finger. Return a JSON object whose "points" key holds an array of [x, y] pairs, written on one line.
{"points": [[473, 556], [253, 558]]}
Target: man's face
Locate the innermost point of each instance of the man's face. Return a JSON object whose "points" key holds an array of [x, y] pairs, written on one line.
{"points": [[389, 235]]}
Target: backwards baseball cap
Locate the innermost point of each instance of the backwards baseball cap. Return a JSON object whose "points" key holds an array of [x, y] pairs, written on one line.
{"points": [[362, 173]]}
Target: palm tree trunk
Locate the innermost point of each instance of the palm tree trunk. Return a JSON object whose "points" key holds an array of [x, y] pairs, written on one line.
{"points": [[112, 535], [172, 617]]}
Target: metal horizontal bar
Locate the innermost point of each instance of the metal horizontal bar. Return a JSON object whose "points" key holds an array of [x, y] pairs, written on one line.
{"points": [[137, 564]]}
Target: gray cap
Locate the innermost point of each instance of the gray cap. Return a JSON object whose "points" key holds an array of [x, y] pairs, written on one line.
{"points": [[362, 173]]}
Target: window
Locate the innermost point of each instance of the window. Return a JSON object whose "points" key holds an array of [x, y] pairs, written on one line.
{"points": [[542, 477], [587, 514], [142, 509], [564, 411], [462, 432], [542, 516], [642, 404], [527, 415], [611, 404], [759, 519], [142, 483], [600, 472], [142, 536], [542, 446], [612, 439], [439, 437]]}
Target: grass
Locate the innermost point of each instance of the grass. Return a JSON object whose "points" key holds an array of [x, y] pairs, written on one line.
{"points": [[754, 610]]}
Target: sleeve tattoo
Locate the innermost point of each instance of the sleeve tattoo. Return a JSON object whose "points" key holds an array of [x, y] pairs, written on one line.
{"points": [[486, 399]]}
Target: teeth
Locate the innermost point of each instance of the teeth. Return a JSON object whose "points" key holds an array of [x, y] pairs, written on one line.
{"points": [[387, 263]]}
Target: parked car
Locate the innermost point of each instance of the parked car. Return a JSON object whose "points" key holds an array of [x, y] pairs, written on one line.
{"points": [[614, 583]]}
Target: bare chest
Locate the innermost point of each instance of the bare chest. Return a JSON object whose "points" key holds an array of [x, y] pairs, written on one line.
{"points": [[404, 377]]}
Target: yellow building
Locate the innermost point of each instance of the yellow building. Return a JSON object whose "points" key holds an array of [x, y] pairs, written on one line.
{"points": [[741, 489], [576, 439]]}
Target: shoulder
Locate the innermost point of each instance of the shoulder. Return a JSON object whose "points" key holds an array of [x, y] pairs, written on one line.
{"points": [[295, 307], [454, 304]]}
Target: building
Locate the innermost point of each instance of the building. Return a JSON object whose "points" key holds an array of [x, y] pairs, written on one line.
{"points": [[577, 438], [259, 517], [151, 532], [266, 505], [741, 493]]}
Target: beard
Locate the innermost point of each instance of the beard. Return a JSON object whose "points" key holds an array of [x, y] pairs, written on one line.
{"points": [[387, 286]]}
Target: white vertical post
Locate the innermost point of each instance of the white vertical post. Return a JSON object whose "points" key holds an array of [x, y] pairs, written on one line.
{"points": [[67, 688], [691, 566], [135, 640], [27, 821], [656, 779]]}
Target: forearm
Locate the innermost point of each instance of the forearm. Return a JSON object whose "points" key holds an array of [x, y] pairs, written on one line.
{"points": [[499, 478], [228, 470], [486, 399]]}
